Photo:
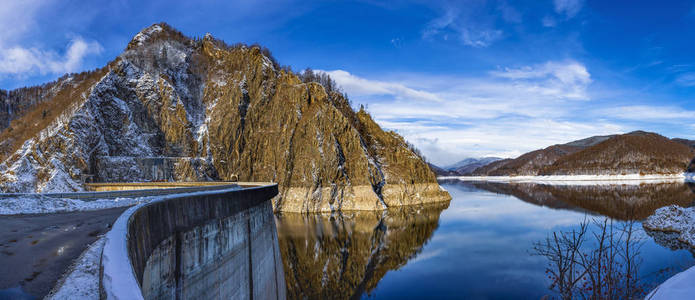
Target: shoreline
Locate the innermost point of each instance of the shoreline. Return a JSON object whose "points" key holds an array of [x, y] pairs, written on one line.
{"points": [[581, 179]]}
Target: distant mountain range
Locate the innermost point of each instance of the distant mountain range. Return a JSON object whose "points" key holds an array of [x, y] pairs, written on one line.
{"points": [[631, 153], [463, 167]]}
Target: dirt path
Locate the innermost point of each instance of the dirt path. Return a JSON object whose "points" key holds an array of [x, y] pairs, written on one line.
{"points": [[35, 250]]}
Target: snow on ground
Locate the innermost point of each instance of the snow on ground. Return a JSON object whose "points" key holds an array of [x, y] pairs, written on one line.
{"points": [[39, 204], [674, 218], [682, 221], [81, 281], [635, 179]]}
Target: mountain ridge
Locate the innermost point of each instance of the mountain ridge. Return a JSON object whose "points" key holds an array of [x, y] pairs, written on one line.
{"points": [[176, 108], [630, 153]]}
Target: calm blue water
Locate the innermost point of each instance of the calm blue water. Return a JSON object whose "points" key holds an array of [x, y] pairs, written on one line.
{"points": [[479, 247]]}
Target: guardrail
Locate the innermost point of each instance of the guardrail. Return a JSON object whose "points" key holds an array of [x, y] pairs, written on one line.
{"points": [[239, 221], [162, 189]]}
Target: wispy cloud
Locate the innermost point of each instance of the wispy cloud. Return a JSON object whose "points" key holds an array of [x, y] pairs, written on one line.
{"points": [[559, 79], [648, 113], [569, 8], [472, 26], [503, 112], [686, 79], [359, 86]]}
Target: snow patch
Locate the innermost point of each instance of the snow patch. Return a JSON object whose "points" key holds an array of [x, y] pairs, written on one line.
{"points": [[144, 35], [681, 221], [674, 218], [81, 281], [628, 179], [39, 204]]}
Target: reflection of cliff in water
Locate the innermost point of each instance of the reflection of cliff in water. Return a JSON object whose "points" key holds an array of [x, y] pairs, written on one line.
{"points": [[621, 202], [343, 256]]}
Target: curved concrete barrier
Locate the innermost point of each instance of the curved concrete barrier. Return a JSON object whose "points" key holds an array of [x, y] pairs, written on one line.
{"points": [[148, 190], [220, 244]]}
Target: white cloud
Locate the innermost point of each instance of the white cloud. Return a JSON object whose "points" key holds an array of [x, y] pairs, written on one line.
{"points": [[505, 112], [19, 60], [359, 86], [569, 8], [17, 18], [561, 79]]}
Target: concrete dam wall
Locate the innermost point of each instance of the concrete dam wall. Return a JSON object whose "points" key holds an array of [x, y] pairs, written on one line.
{"points": [[219, 244]]}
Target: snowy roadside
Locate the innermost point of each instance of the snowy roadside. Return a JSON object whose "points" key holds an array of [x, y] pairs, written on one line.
{"points": [[627, 179], [38, 204], [81, 281], [681, 221]]}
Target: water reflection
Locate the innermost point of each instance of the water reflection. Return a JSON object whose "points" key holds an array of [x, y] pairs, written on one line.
{"points": [[345, 255], [478, 246], [622, 202]]}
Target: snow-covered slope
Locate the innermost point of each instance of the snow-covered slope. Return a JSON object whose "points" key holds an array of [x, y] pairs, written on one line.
{"points": [[175, 108]]}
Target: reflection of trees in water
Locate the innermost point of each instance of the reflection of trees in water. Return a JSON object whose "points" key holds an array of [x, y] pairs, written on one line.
{"points": [[344, 255], [598, 260], [623, 202]]}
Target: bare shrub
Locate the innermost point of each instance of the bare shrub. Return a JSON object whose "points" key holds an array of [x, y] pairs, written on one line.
{"points": [[598, 260]]}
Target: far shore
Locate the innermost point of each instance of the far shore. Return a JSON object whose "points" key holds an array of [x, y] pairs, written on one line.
{"points": [[583, 179]]}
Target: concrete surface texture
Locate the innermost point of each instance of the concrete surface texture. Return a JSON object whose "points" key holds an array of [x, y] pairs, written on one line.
{"points": [[220, 244]]}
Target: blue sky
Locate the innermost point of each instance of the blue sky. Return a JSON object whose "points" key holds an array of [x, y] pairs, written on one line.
{"points": [[456, 78]]}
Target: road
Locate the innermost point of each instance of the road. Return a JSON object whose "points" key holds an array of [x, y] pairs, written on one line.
{"points": [[35, 250]]}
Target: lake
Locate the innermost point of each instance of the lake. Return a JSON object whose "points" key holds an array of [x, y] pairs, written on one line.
{"points": [[478, 246]]}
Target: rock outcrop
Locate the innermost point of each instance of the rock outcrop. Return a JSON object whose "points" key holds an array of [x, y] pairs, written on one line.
{"points": [[213, 112]]}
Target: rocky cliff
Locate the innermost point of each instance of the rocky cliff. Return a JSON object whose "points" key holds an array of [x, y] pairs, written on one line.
{"points": [[199, 109]]}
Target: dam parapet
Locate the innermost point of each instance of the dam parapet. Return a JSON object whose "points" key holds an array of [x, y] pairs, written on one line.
{"points": [[210, 244]]}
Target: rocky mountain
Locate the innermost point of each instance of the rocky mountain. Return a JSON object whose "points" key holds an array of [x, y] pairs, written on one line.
{"points": [[631, 153], [490, 168], [530, 163], [442, 172], [463, 167], [467, 166], [176, 108]]}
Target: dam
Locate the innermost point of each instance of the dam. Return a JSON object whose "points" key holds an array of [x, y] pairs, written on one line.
{"points": [[189, 240], [216, 244]]}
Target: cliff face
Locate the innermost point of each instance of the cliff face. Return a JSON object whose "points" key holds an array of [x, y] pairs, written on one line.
{"points": [[203, 110]]}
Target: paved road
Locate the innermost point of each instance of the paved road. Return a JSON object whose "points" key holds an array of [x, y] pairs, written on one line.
{"points": [[35, 250]]}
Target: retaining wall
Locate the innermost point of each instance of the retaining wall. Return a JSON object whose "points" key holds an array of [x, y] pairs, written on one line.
{"points": [[215, 244]]}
